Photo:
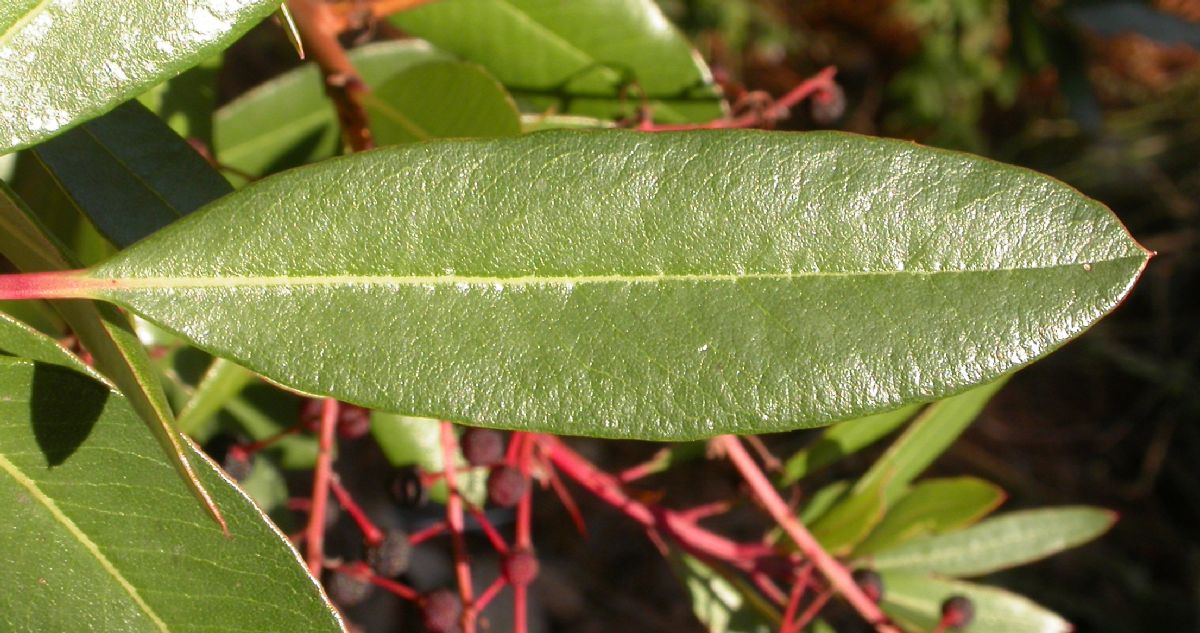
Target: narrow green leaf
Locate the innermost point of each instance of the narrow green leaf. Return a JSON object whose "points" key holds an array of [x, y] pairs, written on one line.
{"points": [[822, 500], [95, 543], [843, 439], [65, 62], [849, 520], [998, 543], [925, 439], [58, 213], [439, 100], [657, 286], [915, 602], [223, 381], [719, 604], [591, 57], [130, 173], [289, 120], [105, 332], [934, 506]]}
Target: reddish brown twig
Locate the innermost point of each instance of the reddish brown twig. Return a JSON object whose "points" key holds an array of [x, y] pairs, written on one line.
{"points": [[314, 533], [524, 538], [319, 27], [836, 573], [818, 83], [454, 521], [351, 14], [372, 535]]}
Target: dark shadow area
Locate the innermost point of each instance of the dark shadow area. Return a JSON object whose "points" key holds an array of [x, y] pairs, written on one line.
{"points": [[63, 408]]}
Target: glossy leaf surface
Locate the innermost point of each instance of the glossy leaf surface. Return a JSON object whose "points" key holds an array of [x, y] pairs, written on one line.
{"points": [[915, 602], [130, 173], [68, 466], [63, 62], [1000, 542], [575, 57], [648, 286]]}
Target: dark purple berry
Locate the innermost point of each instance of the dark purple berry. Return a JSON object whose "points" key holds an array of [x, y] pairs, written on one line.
{"points": [[348, 590], [391, 557], [310, 413], [828, 105], [958, 612], [441, 609], [353, 422], [482, 447], [505, 486], [407, 489], [870, 583], [520, 567]]}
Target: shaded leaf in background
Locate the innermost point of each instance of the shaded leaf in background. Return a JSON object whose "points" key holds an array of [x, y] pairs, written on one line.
{"points": [[719, 604], [641, 286], [1000, 542], [70, 567], [289, 121], [933, 506], [579, 57], [439, 100], [65, 62], [130, 173], [843, 439], [915, 602], [818, 503], [848, 521], [927, 437], [188, 102]]}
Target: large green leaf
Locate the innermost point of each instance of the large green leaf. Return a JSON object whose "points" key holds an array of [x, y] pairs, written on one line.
{"points": [[634, 285], [998, 543], [63, 62], [290, 121], [590, 57], [440, 100], [130, 173], [99, 533], [915, 601]]}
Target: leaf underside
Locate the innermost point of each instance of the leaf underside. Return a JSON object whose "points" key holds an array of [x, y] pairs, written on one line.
{"points": [[666, 286]]}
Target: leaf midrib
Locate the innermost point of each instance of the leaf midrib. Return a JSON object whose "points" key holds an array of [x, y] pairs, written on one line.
{"points": [[78, 534], [164, 282], [11, 31]]}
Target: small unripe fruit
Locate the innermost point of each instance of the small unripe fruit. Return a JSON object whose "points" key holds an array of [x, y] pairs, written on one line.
{"points": [[407, 489], [958, 612], [353, 422], [870, 583], [482, 447], [505, 486], [391, 557], [348, 590], [520, 567], [441, 609]]}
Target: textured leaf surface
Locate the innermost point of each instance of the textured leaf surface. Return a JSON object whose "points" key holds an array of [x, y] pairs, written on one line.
{"points": [[130, 173], [575, 57], [933, 507], [63, 61], [100, 535], [915, 601], [623, 284], [1001, 542]]}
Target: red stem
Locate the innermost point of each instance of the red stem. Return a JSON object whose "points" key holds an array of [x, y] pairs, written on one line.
{"points": [[454, 520], [777, 110], [424, 535], [524, 538], [489, 593], [813, 609], [55, 284], [314, 534], [371, 534], [837, 574], [493, 536]]}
